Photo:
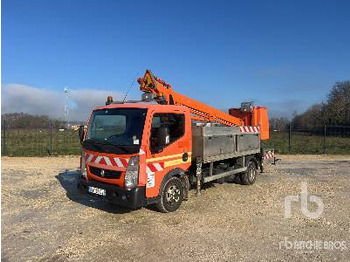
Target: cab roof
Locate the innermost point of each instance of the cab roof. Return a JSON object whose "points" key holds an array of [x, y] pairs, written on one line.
{"points": [[142, 105]]}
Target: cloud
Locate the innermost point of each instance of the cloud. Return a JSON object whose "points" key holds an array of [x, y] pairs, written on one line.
{"points": [[41, 101]]}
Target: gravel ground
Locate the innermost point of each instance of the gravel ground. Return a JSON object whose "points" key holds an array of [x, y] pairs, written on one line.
{"points": [[44, 218]]}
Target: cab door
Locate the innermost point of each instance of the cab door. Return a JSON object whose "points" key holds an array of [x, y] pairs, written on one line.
{"points": [[169, 147]]}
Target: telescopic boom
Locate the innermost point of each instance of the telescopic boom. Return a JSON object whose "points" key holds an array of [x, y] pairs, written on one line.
{"points": [[163, 93]]}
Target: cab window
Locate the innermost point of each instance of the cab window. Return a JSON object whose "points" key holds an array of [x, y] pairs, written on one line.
{"points": [[166, 128]]}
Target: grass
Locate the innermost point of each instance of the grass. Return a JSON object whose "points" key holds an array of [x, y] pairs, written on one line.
{"points": [[302, 143], [38, 143]]}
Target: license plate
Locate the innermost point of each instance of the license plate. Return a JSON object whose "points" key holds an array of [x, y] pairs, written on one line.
{"points": [[97, 191]]}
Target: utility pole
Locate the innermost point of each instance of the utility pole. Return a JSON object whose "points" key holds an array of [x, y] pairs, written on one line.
{"points": [[290, 139], [324, 139], [66, 106]]}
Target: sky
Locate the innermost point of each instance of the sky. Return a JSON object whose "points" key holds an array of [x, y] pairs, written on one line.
{"points": [[285, 55]]}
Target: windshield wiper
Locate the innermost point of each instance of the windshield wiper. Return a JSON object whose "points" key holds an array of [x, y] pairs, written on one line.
{"points": [[106, 147], [91, 141], [95, 143]]}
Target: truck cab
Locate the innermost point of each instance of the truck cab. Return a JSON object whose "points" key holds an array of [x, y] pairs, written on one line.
{"points": [[129, 149]]}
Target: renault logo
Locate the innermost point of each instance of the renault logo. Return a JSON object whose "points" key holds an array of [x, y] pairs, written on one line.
{"points": [[102, 173]]}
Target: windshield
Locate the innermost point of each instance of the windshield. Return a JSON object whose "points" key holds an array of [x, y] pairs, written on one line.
{"points": [[121, 127]]}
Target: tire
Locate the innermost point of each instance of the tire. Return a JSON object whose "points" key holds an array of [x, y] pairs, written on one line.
{"points": [[237, 179], [249, 176], [171, 196]]}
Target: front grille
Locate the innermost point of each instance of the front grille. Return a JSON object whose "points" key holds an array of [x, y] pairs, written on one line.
{"points": [[107, 173]]}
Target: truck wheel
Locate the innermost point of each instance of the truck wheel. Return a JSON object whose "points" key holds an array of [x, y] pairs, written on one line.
{"points": [[249, 176], [171, 196]]}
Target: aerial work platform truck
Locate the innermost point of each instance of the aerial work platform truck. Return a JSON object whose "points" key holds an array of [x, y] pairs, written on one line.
{"points": [[153, 150]]}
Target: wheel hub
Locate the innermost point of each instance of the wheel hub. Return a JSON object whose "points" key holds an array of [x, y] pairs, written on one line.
{"points": [[251, 173], [173, 194]]}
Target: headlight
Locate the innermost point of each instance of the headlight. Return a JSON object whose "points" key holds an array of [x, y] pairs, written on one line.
{"points": [[83, 165], [132, 173]]}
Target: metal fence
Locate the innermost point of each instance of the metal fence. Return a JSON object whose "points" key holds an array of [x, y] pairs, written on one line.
{"points": [[53, 140], [317, 140], [46, 141]]}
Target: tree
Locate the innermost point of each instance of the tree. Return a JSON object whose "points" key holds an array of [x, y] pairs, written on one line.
{"points": [[312, 117], [335, 111], [27, 121], [279, 123], [337, 108]]}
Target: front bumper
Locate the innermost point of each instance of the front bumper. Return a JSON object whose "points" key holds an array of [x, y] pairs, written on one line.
{"points": [[134, 198]]}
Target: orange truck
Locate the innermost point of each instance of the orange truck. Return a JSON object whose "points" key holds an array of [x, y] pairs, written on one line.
{"points": [[152, 151]]}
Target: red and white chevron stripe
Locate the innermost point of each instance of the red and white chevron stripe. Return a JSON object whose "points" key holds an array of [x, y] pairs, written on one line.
{"points": [[269, 155], [249, 129], [106, 160], [154, 167]]}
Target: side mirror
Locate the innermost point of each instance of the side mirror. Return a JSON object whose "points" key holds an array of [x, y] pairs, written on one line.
{"points": [[163, 136], [81, 133]]}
